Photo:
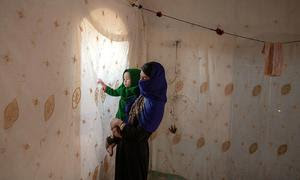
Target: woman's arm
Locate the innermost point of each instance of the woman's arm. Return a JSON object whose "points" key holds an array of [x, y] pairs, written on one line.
{"points": [[129, 132]]}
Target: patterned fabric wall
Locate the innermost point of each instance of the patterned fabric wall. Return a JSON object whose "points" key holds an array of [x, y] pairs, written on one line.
{"points": [[54, 117], [231, 121]]}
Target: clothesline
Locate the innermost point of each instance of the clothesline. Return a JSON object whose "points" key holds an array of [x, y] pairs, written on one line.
{"points": [[217, 30]]}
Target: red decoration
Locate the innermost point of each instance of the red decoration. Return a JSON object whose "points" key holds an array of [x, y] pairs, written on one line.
{"points": [[159, 14], [219, 31]]}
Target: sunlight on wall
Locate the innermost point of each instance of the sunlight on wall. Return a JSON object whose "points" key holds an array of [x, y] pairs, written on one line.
{"points": [[102, 58], [109, 24]]}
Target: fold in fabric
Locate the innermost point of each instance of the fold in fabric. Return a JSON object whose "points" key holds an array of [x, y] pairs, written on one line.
{"points": [[273, 59]]}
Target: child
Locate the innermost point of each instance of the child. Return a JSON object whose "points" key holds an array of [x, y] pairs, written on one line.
{"points": [[129, 91]]}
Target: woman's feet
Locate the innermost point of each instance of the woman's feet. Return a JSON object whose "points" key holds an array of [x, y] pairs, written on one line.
{"points": [[110, 150], [108, 145]]}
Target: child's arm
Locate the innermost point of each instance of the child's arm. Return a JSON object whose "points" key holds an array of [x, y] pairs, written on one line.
{"points": [[114, 92], [109, 90]]}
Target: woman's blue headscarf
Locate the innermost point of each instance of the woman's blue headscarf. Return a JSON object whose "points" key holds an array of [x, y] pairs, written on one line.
{"points": [[156, 87]]}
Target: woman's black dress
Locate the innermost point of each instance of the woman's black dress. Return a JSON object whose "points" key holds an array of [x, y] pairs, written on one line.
{"points": [[132, 157]]}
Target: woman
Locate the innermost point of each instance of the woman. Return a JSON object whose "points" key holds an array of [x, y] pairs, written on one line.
{"points": [[146, 113]]}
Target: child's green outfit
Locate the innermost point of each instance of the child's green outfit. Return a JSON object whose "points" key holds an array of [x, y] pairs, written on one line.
{"points": [[127, 94]]}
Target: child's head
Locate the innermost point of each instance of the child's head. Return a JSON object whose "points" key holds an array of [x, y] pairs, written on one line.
{"points": [[131, 77], [127, 79]]}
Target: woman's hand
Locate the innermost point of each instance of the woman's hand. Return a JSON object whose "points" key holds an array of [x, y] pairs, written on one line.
{"points": [[102, 83], [116, 132], [115, 123]]}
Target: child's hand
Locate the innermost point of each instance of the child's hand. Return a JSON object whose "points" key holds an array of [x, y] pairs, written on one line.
{"points": [[102, 83], [99, 81]]}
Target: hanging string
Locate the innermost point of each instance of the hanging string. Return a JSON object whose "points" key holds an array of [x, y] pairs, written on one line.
{"points": [[218, 30]]}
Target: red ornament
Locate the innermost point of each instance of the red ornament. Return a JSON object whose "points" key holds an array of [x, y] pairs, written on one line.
{"points": [[159, 14], [219, 31]]}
